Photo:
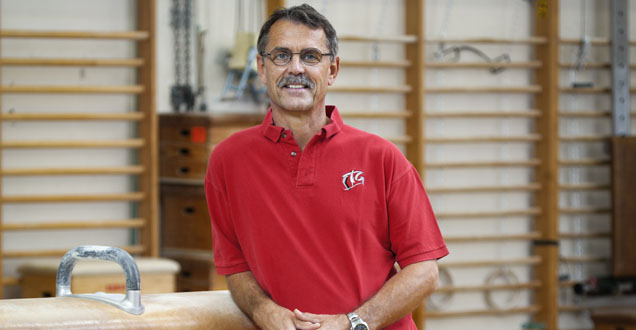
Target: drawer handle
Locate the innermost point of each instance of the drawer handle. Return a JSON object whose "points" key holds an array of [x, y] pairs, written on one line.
{"points": [[189, 210], [184, 151], [185, 132], [184, 170]]}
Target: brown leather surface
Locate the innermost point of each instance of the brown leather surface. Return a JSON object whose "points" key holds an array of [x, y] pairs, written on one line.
{"points": [[189, 310]]}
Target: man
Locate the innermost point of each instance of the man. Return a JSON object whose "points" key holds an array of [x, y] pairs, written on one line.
{"points": [[310, 215]]}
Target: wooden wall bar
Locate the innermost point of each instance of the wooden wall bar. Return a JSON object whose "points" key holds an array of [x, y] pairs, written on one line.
{"points": [[144, 196], [272, 5], [545, 91], [414, 25], [547, 26], [414, 13], [1, 121], [147, 129]]}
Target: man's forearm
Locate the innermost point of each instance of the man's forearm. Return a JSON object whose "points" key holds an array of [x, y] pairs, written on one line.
{"points": [[246, 293], [260, 308], [400, 295]]}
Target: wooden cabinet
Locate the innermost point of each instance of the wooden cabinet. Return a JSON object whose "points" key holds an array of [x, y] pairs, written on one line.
{"points": [[623, 208], [198, 274], [186, 225], [615, 319], [185, 143]]}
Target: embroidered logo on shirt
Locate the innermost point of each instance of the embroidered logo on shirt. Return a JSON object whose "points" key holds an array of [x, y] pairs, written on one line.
{"points": [[352, 179]]}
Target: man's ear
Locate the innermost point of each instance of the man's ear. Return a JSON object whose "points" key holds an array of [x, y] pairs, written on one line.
{"points": [[260, 66], [334, 68]]}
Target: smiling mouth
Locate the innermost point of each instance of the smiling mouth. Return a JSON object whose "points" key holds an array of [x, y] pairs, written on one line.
{"points": [[296, 86]]}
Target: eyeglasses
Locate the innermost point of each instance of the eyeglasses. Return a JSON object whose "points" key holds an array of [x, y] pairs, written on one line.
{"points": [[282, 56]]}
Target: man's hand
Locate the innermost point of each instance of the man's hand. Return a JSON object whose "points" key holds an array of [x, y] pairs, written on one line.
{"points": [[260, 308], [326, 321], [273, 316]]}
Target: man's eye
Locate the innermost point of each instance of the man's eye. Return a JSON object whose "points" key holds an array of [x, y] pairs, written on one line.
{"points": [[281, 56], [311, 56]]}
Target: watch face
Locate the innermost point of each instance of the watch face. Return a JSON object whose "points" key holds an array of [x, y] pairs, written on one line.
{"points": [[361, 327]]}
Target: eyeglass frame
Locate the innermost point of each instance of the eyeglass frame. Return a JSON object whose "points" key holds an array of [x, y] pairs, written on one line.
{"points": [[269, 55]]}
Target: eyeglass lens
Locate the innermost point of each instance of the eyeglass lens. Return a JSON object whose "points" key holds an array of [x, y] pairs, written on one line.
{"points": [[310, 56]]}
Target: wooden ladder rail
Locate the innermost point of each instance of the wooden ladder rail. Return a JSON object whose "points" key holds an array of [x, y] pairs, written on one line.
{"points": [[414, 18], [537, 90], [146, 143], [3, 282], [601, 117], [415, 93], [126, 35], [547, 27], [148, 129]]}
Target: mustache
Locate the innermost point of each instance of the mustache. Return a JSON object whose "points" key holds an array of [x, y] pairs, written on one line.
{"points": [[296, 80]]}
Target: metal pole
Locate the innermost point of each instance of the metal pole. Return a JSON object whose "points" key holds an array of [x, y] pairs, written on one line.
{"points": [[620, 67]]}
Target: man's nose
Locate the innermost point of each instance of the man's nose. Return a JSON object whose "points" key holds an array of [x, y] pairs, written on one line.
{"points": [[295, 66]]}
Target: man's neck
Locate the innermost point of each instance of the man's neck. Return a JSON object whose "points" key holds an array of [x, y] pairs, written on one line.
{"points": [[303, 124]]}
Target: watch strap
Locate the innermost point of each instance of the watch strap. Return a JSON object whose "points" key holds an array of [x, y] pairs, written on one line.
{"points": [[356, 322]]}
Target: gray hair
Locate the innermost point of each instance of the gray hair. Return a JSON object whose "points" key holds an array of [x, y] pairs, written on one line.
{"points": [[303, 14]]}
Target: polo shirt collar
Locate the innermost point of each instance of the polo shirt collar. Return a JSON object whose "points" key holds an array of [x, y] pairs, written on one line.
{"points": [[274, 132], [269, 130], [336, 123]]}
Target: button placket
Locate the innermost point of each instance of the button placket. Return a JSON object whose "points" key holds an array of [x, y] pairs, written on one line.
{"points": [[292, 156], [306, 166]]}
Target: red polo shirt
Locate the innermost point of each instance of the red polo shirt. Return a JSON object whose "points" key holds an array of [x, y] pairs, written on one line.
{"points": [[320, 228]]}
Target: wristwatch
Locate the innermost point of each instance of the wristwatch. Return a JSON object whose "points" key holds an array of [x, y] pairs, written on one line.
{"points": [[356, 322]]}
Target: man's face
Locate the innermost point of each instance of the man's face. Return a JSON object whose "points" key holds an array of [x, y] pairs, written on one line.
{"points": [[297, 86]]}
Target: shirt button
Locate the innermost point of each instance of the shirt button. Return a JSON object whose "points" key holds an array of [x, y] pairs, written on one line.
{"points": [[293, 154]]}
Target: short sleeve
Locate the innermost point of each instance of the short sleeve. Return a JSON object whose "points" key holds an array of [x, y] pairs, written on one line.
{"points": [[228, 256], [413, 229]]}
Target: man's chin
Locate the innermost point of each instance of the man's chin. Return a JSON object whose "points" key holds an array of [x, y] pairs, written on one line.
{"points": [[297, 106], [297, 109]]}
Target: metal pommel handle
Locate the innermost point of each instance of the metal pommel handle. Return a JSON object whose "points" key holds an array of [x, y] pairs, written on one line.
{"points": [[130, 303]]}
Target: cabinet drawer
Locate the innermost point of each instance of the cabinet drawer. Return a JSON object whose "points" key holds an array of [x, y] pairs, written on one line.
{"points": [[184, 151], [185, 221], [195, 275], [202, 129], [185, 133], [198, 275], [199, 134], [183, 168]]}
